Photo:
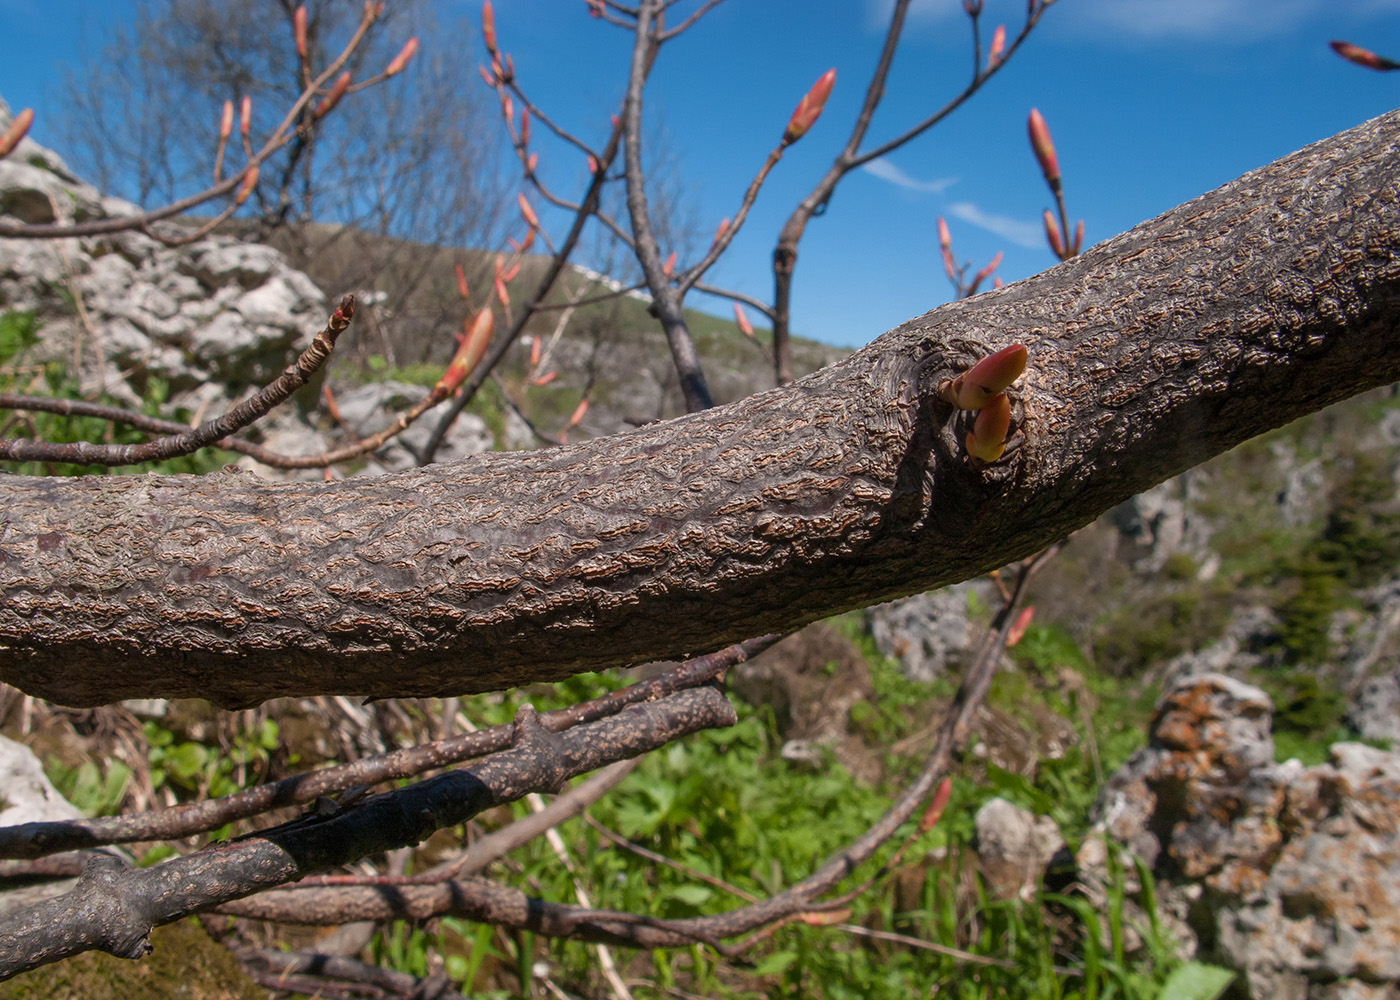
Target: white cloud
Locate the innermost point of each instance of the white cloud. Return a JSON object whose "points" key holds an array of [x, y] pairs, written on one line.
{"points": [[1164, 20], [1017, 231], [887, 171]]}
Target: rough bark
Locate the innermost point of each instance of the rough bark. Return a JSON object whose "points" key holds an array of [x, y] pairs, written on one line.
{"points": [[1232, 314]]}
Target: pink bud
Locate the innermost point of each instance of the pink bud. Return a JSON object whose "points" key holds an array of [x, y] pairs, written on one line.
{"points": [[546, 378], [973, 388], [245, 116], [592, 164], [337, 91], [16, 131], [809, 108], [998, 44], [670, 264], [1044, 149], [508, 109], [469, 354], [578, 413], [299, 30], [226, 123], [401, 60], [487, 77], [488, 27], [250, 181], [1018, 628], [536, 347], [985, 273], [462, 283], [987, 439], [745, 327], [527, 212], [945, 238], [723, 228], [595, 8], [1078, 238], [531, 163], [1052, 236]]}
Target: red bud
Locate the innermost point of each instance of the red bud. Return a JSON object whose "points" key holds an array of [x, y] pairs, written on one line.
{"points": [[670, 264], [985, 273], [809, 108], [401, 60], [546, 378], [987, 440], [936, 805], [524, 126], [1078, 238], [595, 8], [723, 228], [578, 413], [1044, 149], [532, 162], [1363, 57], [462, 283]]}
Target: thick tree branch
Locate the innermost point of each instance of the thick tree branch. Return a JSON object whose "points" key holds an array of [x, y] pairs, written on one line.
{"points": [[1227, 316]]}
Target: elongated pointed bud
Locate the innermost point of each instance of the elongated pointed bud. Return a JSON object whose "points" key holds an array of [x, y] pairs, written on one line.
{"points": [[1363, 57], [670, 265], [809, 108], [406, 53], [536, 348], [825, 918], [468, 355], [945, 248], [299, 30], [509, 74], [945, 238], [1078, 238], [741, 318], [546, 378], [337, 91], [15, 132], [721, 230], [1018, 628], [499, 285], [936, 805], [526, 243], [532, 163], [592, 164], [487, 77], [524, 126], [988, 378], [462, 284], [595, 8], [488, 27], [1044, 149], [984, 274], [998, 44], [1052, 235], [527, 213], [987, 439], [250, 181], [245, 117], [226, 123], [578, 413]]}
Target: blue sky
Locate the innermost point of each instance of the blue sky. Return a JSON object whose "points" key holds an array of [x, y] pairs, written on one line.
{"points": [[1151, 102]]}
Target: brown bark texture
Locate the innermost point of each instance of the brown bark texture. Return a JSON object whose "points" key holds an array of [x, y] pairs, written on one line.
{"points": [[1227, 316]]}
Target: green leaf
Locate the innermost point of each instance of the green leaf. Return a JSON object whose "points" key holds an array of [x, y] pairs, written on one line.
{"points": [[690, 894], [1196, 981], [775, 963]]}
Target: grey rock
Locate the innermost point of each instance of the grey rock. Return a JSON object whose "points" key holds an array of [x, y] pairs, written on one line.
{"points": [[1013, 847], [927, 633]]}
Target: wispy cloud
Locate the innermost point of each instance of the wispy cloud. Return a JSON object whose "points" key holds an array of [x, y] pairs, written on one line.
{"points": [[887, 171], [1159, 20], [1018, 231]]}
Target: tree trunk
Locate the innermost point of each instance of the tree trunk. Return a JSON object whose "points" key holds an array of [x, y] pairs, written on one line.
{"points": [[1232, 314]]}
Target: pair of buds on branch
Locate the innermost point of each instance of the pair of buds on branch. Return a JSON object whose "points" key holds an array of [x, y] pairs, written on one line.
{"points": [[983, 388], [1056, 234]]}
